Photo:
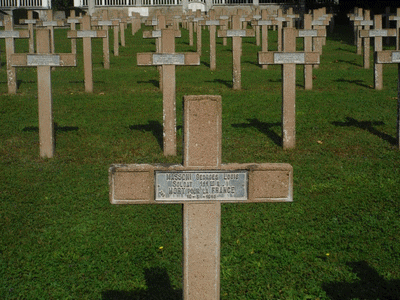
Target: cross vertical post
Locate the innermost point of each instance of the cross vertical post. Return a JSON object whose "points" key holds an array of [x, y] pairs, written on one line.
{"points": [[288, 59], [44, 61], [168, 59]]}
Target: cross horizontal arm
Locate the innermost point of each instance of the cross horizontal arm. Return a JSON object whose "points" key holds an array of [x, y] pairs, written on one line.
{"points": [[302, 58], [14, 34], [311, 32], [378, 33], [157, 59], [239, 32], [387, 57], [73, 34], [35, 60], [149, 34], [152, 184]]}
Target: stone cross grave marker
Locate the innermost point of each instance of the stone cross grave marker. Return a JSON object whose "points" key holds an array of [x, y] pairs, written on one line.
{"points": [[160, 24], [280, 19], [289, 58], [72, 21], [378, 33], [201, 184], [397, 19], [197, 20], [30, 22], [212, 23], [392, 57], [50, 24], [365, 25], [87, 34], [309, 34], [357, 16], [9, 34], [168, 59], [236, 33], [44, 61], [264, 23]]}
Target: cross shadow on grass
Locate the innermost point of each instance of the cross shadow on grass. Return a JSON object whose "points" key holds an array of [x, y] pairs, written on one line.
{"points": [[357, 82], [154, 127], [227, 83], [156, 83], [264, 128], [370, 286], [368, 126], [158, 288], [349, 62]]}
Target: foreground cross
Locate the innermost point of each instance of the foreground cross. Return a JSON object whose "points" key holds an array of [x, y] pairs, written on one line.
{"points": [[168, 59], [288, 59], [201, 184], [44, 61], [392, 57]]}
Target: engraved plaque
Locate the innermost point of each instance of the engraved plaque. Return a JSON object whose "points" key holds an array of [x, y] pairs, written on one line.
{"points": [[317, 23], [201, 185], [156, 33], [305, 33], [280, 19], [42, 60], [257, 17], [289, 58], [377, 32], [223, 17], [396, 56], [358, 18], [30, 21], [231, 33], [49, 23], [264, 22], [212, 22], [86, 33], [168, 59], [367, 23], [9, 34], [104, 23], [73, 21]]}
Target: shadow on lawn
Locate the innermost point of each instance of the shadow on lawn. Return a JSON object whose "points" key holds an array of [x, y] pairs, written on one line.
{"points": [[158, 288], [357, 82], [264, 128], [368, 126], [370, 286], [154, 127]]}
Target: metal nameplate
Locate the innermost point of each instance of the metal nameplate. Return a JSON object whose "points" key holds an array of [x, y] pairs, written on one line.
{"points": [[367, 23], [223, 17], [168, 59], [73, 21], [280, 19], [86, 33], [9, 34], [308, 32], [42, 60], [289, 58], [201, 185], [317, 23], [104, 23], [257, 17], [212, 23], [264, 22], [232, 33], [396, 56], [378, 32], [49, 23], [30, 21], [156, 33]]}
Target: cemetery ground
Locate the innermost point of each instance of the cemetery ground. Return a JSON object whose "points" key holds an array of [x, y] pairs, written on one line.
{"points": [[339, 239]]}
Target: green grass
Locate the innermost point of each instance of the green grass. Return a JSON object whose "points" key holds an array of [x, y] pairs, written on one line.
{"points": [[339, 239]]}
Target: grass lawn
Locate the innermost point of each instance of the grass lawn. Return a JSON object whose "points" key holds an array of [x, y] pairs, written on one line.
{"points": [[339, 239]]}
